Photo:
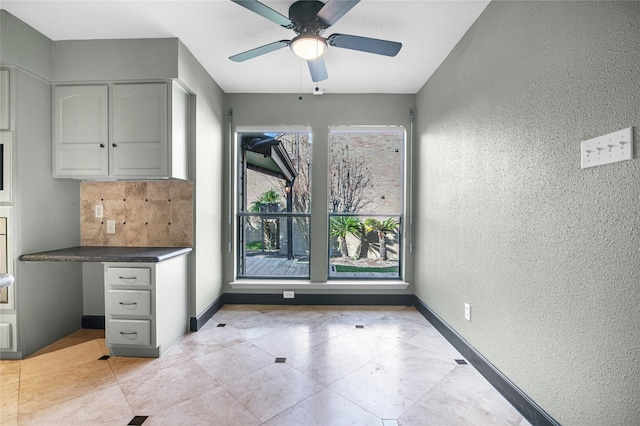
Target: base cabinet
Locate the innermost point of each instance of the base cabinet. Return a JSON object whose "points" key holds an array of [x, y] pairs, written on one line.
{"points": [[145, 306]]}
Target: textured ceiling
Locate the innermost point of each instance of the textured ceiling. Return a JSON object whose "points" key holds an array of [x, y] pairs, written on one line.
{"points": [[213, 30]]}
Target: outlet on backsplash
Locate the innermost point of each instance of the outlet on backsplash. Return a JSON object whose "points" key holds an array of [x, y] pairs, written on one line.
{"points": [[145, 213]]}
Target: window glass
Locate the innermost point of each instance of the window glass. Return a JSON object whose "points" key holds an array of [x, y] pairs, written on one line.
{"points": [[274, 184], [366, 190]]}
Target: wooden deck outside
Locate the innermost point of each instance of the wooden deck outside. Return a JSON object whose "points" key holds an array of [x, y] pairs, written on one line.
{"points": [[269, 266], [266, 266]]}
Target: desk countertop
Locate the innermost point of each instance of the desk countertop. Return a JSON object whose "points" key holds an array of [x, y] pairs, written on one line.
{"points": [[107, 254]]}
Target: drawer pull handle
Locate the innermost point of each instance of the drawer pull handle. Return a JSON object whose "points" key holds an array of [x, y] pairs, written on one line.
{"points": [[128, 333], [128, 278], [128, 303]]}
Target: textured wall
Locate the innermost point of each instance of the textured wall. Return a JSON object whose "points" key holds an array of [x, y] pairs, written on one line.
{"points": [[146, 213], [547, 254]]}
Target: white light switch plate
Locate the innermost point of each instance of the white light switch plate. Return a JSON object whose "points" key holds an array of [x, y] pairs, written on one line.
{"points": [[611, 148], [111, 227], [99, 210]]}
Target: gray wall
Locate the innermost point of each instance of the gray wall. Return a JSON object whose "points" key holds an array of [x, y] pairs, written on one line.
{"points": [[546, 253], [207, 171], [47, 211], [319, 112]]}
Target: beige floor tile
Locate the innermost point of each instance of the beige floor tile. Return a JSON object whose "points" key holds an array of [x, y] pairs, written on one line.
{"points": [[283, 343], [327, 329], [409, 313], [409, 360], [76, 338], [325, 408], [214, 407], [432, 340], [358, 315], [258, 326], [271, 390], [327, 362], [465, 383], [9, 372], [61, 359], [366, 343], [380, 391], [170, 386], [45, 390], [396, 327], [234, 362], [439, 409], [127, 368], [230, 314], [103, 407], [297, 315], [206, 341], [9, 403], [398, 368]]}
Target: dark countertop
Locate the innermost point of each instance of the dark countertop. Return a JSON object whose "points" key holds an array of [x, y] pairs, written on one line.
{"points": [[107, 254]]}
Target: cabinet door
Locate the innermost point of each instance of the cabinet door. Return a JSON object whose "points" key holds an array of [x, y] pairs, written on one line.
{"points": [[140, 127], [81, 131]]}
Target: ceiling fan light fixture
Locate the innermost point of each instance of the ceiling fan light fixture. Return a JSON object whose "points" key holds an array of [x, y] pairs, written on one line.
{"points": [[309, 46]]}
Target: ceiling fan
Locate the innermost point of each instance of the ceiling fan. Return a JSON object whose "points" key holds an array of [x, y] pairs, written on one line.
{"points": [[309, 19]]}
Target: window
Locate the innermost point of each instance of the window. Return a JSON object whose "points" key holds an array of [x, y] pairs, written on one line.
{"points": [[274, 204], [365, 202], [363, 208]]}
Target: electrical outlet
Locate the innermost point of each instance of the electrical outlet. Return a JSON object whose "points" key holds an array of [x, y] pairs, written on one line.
{"points": [[288, 294], [111, 227], [99, 210], [467, 312]]}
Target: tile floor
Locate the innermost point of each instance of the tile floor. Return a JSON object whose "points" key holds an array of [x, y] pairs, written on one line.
{"points": [[397, 370]]}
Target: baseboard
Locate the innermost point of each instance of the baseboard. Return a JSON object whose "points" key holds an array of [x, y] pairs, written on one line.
{"points": [[320, 299], [195, 323], [93, 322], [525, 405]]}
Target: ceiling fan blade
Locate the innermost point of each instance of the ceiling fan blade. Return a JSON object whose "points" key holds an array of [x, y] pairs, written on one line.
{"points": [[250, 54], [318, 69], [266, 12], [365, 44], [334, 10]]}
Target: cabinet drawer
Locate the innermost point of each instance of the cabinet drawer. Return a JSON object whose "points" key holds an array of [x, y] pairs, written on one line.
{"points": [[129, 332], [128, 302], [128, 276]]}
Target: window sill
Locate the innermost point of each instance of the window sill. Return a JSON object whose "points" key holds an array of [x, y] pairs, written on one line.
{"points": [[249, 284]]}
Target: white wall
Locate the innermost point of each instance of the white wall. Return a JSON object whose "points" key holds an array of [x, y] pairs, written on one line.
{"points": [[545, 253]]}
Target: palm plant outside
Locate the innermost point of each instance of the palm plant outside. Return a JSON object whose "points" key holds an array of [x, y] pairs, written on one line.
{"points": [[381, 227], [270, 196], [340, 227]]}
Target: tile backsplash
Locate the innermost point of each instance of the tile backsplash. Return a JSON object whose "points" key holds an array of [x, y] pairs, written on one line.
{"points": [[146, 213]]}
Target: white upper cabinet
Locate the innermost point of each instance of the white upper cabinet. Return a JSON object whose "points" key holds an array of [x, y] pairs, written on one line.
{"points": [[118, 131], [139, 126], [81, 139]]}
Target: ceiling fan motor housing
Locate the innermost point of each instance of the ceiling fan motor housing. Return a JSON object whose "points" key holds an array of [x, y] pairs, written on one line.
{"points": [[303, 14]]}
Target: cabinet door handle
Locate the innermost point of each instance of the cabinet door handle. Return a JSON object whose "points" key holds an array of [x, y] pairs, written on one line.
{"points": [[101, 145], [128, 333], [128, 303], [128, 278], [113, 145]]}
